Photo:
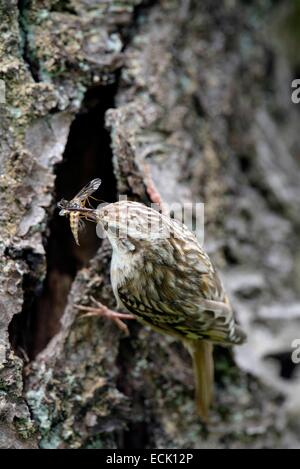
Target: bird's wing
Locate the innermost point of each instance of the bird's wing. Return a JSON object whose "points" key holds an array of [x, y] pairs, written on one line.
{"points": [[185, 296], [205, 320]]}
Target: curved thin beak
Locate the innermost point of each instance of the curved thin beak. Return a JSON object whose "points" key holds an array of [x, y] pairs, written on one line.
{"points": [[89, 213]]}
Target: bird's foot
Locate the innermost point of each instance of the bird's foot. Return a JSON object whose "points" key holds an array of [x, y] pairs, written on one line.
{"points": [[101, 310], [152, 190]]}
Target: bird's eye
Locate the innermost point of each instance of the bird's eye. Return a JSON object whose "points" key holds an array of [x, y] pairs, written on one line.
{"points": [[105, 213], [138, 228]]}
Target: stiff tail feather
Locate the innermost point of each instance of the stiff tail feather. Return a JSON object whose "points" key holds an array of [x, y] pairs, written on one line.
{"points": [[202, 355]]}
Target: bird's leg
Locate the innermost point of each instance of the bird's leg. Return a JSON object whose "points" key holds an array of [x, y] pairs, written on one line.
{"points": [[101, 310]]}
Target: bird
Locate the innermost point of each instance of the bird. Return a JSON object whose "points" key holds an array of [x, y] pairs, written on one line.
{"points": [[79, 200], [161, 275]]}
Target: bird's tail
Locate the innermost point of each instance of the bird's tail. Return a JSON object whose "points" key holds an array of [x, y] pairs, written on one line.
{"points": [[202, 355]]}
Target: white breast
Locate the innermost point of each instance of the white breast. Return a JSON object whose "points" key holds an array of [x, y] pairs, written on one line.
{"points": [[121, 269]]}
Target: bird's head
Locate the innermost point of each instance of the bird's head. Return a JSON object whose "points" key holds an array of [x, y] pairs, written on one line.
{"points": [[130, 225]]}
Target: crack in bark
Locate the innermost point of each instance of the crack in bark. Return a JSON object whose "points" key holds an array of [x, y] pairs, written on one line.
{"points": [[140, 10], [20, 327], [87, 155]]}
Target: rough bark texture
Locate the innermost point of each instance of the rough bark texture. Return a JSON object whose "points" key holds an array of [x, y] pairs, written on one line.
{"points": [[196, 93]]}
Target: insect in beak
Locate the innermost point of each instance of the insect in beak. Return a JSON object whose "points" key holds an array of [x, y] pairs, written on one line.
{"points": [[76, 209]]}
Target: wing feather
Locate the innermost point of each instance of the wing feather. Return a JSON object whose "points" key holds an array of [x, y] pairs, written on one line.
{"points": [[185, 296]]}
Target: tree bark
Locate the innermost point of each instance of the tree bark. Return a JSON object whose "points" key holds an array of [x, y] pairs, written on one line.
{"points": [[193, 97]]}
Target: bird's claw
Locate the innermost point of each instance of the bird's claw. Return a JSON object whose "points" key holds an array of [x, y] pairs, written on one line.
{"points": [[101, 310]]}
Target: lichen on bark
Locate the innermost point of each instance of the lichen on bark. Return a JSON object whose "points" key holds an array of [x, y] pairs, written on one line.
{"points": [[190, 106]]}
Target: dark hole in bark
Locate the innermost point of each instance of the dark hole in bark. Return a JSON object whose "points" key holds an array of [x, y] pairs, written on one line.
{"points": [[136, 436], [87, 155], [287, 367], [198, 105], [245, 163]]}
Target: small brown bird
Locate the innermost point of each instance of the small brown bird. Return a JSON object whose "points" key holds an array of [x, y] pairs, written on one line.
{"points": [[161, 275]]}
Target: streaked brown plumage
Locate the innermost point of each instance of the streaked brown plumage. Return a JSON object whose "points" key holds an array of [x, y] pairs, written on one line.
{"points": [[163, 277]]}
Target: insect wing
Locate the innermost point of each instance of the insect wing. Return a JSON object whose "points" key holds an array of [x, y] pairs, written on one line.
{"points": [[88, 190]]}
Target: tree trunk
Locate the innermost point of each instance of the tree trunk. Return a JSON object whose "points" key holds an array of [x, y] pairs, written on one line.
{"points": [[193, 97]]}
